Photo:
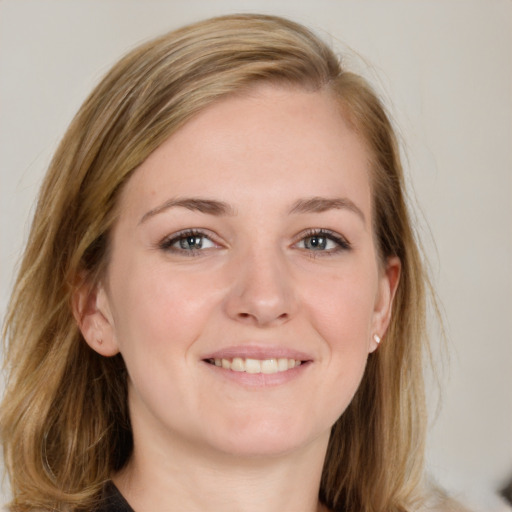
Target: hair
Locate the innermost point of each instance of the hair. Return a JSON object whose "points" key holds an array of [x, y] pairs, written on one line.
{"points": [[65, 425]]}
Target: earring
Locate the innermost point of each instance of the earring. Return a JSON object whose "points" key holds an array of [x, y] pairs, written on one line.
{"points": [[376, 338], [99, 341]]}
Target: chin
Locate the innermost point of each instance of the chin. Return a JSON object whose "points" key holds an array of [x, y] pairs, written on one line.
{"points": [[263, 448], [267, 438]]}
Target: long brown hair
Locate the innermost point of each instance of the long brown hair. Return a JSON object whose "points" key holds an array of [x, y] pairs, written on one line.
{"points": [[65, 426]]}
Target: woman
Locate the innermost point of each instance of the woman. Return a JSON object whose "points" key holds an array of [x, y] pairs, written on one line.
{"points": [[221, 303]]}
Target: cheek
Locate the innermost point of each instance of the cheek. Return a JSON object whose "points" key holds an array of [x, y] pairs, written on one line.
{"points": [[342, 310], [158, 318], [342, 318], [157, 312]]}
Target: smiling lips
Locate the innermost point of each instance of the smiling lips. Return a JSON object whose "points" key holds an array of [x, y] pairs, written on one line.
{"points": [[250, 365]]}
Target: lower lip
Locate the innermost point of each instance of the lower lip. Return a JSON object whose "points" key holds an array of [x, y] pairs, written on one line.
{"points": [[260, 380]]}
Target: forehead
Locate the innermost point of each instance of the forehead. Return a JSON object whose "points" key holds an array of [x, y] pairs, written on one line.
{"points": [[271, 143]]}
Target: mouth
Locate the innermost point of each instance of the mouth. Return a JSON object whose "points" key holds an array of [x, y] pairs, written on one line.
{"points": [[250, 365]]}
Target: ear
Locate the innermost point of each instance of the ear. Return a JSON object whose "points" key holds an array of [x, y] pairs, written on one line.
{"points": [[93, 315], [388, 283]]}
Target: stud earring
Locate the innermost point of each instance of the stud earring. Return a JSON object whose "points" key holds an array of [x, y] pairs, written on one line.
{"points": [[376, 337]]}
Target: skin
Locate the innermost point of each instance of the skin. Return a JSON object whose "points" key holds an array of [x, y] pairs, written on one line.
{"points": [[265, 279]]}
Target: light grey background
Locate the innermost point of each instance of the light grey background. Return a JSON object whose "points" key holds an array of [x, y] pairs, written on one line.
{"points": [[445, 68]]}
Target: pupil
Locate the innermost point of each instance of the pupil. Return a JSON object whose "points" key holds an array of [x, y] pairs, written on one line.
{"points": [[191, 242], [317, 242]]}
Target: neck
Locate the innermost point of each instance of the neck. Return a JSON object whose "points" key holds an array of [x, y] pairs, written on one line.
{"points": [[185, 477]]}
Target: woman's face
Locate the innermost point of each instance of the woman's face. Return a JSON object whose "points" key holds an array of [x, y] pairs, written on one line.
{"points": [[243, 288]]}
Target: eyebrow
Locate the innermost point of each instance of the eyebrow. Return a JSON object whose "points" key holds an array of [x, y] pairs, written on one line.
{"points": [[322, 204], [220, 208], [209, 206]]}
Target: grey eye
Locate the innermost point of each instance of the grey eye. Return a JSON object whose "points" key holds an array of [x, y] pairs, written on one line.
{"points": [[187, 242], [192, 242], [318, 243]]}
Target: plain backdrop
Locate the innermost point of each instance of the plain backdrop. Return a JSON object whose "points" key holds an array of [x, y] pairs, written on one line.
{"points": [[445, 70]]}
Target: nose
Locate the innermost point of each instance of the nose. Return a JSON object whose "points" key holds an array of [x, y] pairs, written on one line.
{"points": [[262, 291]]}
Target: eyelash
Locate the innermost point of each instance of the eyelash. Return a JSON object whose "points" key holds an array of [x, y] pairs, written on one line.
{"points": [[167, 243], [341, 242]]}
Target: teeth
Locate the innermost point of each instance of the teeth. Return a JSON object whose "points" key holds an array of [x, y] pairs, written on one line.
{"points": [[239, 364], [282, 365], [253, 366], [269, 366]]}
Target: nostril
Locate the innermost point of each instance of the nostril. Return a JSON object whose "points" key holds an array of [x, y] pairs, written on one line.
{"points": [[261, 310]]}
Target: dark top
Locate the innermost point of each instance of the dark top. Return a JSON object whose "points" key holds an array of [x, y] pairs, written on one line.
{"points": [[113, 501]]}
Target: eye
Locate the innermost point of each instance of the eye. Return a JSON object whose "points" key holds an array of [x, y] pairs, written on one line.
{"points": [[189, 241], [322, 240]]}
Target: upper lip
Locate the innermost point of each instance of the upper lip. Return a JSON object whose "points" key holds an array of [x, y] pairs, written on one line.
{"points": [[258, 352]]}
